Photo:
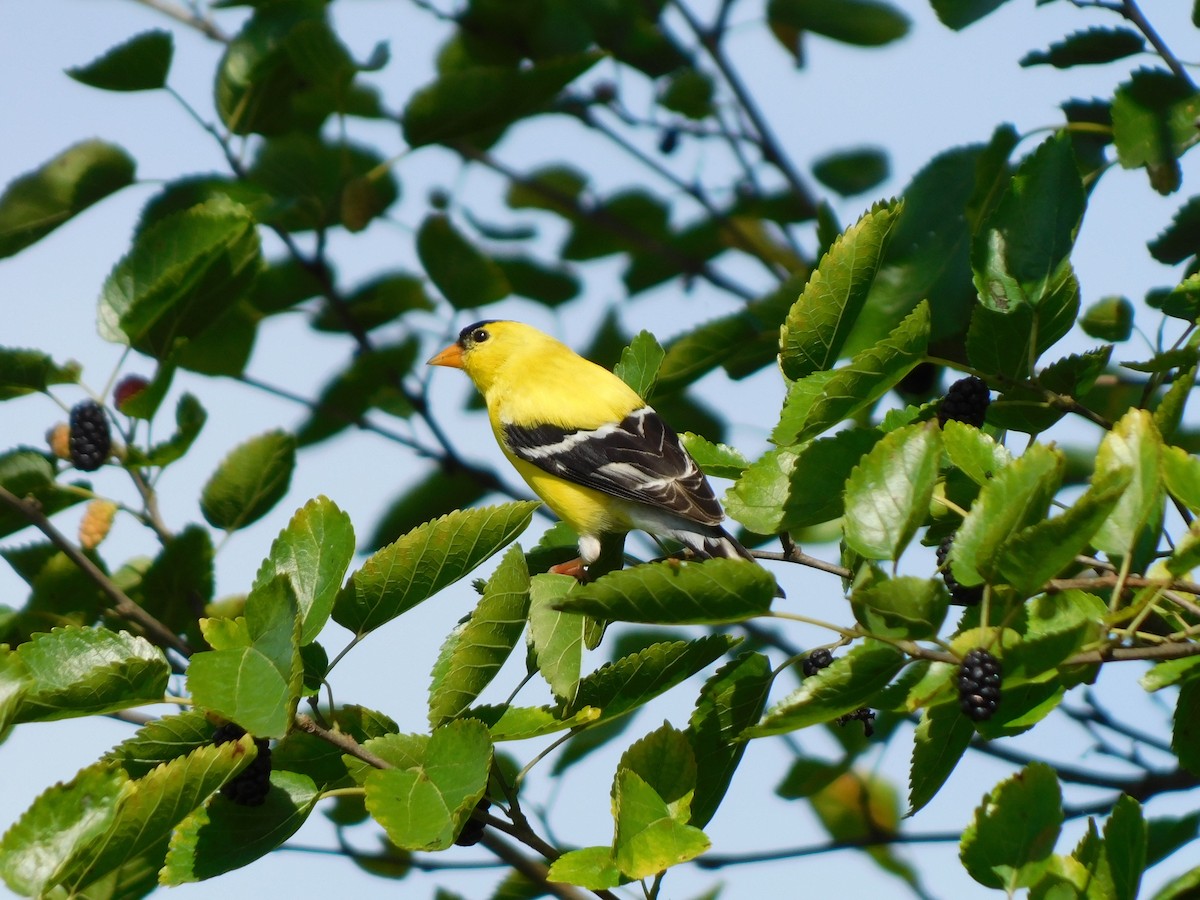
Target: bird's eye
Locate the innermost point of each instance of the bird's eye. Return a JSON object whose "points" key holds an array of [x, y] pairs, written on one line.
{"points": [[479, 335]]}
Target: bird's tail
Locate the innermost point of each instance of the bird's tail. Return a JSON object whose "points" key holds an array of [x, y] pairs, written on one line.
{"points": [[722, 545]]}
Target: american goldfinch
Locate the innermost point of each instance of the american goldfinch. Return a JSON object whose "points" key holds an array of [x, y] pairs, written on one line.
{"points": [[586, 443]]}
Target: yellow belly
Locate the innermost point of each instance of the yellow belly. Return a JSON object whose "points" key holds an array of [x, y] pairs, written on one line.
{"points": [[585, 510]]}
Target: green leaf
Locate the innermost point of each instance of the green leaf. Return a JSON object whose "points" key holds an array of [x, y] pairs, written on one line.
{"points": [[862, 23], [1010, 343], [1153, 117], [1089, 47], [161, 741], [520, 723], [1022, 251], [664, 760], [1057, 625], [423, 803], [690, 93], [731, 701], [190, 417], [622, 686], [1125, 837], [549, 286], [464, 275], [974, 453], [250, 480], [61, 823], [257, 686], [850, 172], [550, 187], [940, 740], [902, 607], [36, 203], [1013, 832], [648, 838], [30, 474], [376, 302], [223, 836], [775, 494], [1182, 887], [31, 371], [555, 635], [850, 682], [889, 491], [715, 460], [181, 275], [639, 363], [422, 562], [1169, 672], [707, 592], [370, 381], [73, 671], [593, 868], [1181, 238], [1185, 734], [313, 551], [138, 64], [461, 104], [475, 651], [1039, 552], [1017, 496], [1181, 476], [1108, 319], [1133, 447], [819, 321], [958, 14], [823, 399]]}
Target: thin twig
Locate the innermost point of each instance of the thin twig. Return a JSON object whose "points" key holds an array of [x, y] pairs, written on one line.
{"points": [[123, 606], [721, 860], [205, 26], [1133, 13]]}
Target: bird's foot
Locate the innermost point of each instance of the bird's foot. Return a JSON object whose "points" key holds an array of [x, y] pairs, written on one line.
{"points": [[572, 567]]}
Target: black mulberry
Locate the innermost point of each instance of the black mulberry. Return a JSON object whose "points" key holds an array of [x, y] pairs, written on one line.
{"points": [[472, 832], [816, 661], [966, 401], [960, 595], [90, 441], [979, 685], [249, 788]]}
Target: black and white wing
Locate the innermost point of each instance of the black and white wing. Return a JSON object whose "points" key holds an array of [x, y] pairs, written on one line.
{"points": [[639, 458]]}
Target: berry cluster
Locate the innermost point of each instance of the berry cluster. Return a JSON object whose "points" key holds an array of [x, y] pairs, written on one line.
{"points": [[816, 661], [251, 786], [472, 832], [966, 401], [979, 685], [90, 441], [862, 714], [128, 388], [960, 595]]}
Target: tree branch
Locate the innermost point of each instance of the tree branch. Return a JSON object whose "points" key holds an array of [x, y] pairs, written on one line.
{"points": [[205, 26]]}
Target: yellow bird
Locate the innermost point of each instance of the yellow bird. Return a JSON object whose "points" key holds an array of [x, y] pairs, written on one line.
{"points": [[586, 443]]}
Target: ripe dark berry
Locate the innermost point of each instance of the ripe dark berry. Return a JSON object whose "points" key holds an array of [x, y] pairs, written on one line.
{"points": [[604, 92], [128, 388], [960, 595], [862, 714], [979, 685], [249, 788], [966, 401], [920, 382], [815, 662], [90, 441], [472, 832], [669, 141]]}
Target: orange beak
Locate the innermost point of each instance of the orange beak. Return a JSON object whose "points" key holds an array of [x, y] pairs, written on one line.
{"points": [[452, 356]]}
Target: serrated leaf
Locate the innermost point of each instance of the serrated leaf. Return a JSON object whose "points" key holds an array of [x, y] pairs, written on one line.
{"points": [[888, 492], [415, 567], [639, 363], [75, 671], [1153, 117], [257, 686], [313, 551], [776, 492], [548, 285], [181, 276], [850, 682], [36, 203], [1017, 496], [520, 723], [249, 481], [1125, 837], [1025, 407], [707, 592], [30, 371], [464, 275], [823, 399], [958, 14], [224, 836], [555, 635], [190, 417], [1089, 47], [1133, 447], [1057, 625], [161, 741], [1185, 732], [462, 103], [1108, 319], [902, 607], [138, 64], [850, 172], [1181, 238], [819, 322], [731, 701], [664, 760], [862, 23], [976, 454], [940, 740], [593, 868], [715, 460], [1039, 552], [627, 683], [648, 839], [424, 802], [1014, 830], [474, 653]]}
